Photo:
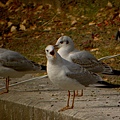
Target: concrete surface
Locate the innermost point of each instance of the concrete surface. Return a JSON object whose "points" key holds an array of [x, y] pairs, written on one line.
{"points": [[41, 100]]}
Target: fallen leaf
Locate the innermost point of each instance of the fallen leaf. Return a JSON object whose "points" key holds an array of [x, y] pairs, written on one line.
{"points": [[2, 22], [117, 48], [73, 22], [33, 27], [8, 2], [96, 39], [9, 24], [13, 29], [92, 23], [24, 21], [2, 5], [84, 17], [112, 59], [98, 14], [47, 29], [72, 28], [22, 27], [94, 49], [106, 22], [119, 15], [40, 7], [109, 4]]}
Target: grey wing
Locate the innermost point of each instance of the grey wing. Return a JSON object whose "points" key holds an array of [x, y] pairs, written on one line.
{"points": [[15, 61], [2, 50], [87, 60], [85, 77]]}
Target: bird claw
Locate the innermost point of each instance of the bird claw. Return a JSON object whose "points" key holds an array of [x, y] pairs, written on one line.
{"points": [[65, 108], [6, 91], [77, 95]]}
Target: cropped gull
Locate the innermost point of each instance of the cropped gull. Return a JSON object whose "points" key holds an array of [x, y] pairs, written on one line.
{"points": [[15, 65], [67, 51]]}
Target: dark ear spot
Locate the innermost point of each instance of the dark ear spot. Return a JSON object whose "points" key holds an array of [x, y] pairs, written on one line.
{"points": [[67, 42], [61, 42]]}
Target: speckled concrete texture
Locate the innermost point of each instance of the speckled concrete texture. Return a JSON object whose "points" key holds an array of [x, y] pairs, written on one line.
{"points": [[40, 100]]}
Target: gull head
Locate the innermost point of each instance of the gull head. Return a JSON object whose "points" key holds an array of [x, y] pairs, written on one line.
{"points": [[50, 52], [64, 42]]}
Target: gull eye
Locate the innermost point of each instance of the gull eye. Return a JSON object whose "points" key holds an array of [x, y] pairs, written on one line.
{"points": [[46, 50], [61, 42], [67, 42]]}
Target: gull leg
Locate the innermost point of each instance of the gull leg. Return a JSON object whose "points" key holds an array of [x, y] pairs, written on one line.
{"points": [[67, 103], [68, 99], [73, 99], [7, 86], [68, 107], [76, 94]]}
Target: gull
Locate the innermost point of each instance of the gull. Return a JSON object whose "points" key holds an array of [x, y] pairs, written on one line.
{"points": [[15, 65], [67, 51], [67, 75]]}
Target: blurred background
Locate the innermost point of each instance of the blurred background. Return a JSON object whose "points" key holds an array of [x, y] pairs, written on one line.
{"points": [[28, 26]]}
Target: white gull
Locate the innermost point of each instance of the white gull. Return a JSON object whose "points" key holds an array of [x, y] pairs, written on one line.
{"points": [[67, 51], [67, 75]]}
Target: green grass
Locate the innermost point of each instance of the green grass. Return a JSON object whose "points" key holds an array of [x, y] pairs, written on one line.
{"points": [[50, 25]]}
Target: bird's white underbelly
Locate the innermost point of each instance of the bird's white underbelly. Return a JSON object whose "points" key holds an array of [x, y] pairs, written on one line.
{"points": [[63, 82]]}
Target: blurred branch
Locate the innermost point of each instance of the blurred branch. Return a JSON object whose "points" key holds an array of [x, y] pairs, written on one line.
{"points": [[108, 57]]}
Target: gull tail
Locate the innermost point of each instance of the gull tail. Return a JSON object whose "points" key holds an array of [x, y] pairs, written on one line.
{"points": [[109, 70], [43, 67], [113, 72], [39, 67], [105, 84]]}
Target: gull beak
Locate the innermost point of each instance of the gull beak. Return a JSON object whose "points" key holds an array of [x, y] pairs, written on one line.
{"points": [[53, 53], [56, 47]]}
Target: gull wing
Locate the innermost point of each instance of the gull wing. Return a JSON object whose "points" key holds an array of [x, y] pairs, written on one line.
{"points": [[85, 78], [87, 60], [15, 61], [82, 75]]}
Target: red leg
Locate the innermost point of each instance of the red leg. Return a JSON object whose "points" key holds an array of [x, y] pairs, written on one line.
{"points": [[76, 94], [68, 99], [73, 99], [68, 107], [7, 86]]}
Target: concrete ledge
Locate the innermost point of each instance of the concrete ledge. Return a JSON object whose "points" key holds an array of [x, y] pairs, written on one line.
{"points": [[40, 100]]}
